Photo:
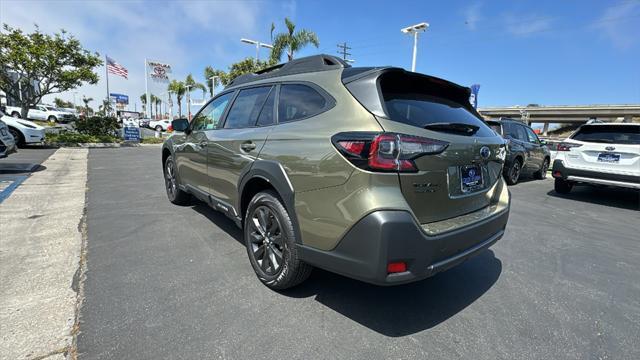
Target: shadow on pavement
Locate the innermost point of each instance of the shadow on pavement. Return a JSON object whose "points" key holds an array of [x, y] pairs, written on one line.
{"points": [[20, 168], [391, 311], [601, 195]]}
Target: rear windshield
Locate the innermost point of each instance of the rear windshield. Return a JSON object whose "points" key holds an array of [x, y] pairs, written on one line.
{"points": [[426, 103], [610, 134]]}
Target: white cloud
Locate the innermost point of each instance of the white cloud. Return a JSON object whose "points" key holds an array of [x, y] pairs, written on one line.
{"points": [[618, 26], [184, 34], [524, 25], [473, 15]]}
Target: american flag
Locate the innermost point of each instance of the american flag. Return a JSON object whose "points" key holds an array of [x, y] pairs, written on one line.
{"points": [[116, 69]]}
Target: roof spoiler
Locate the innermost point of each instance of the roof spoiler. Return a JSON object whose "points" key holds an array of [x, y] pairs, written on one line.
{"points": [[307, 64]]}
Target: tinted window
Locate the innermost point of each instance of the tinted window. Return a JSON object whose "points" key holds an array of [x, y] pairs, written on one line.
{"points": [[495, 127], [430, 103], [515, 131], [209, 117], [266, 115], [613, 134], [531, 136], [298, 102], [246, 108]]}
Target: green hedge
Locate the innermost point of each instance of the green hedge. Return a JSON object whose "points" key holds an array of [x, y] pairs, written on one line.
{"points": [[97, 126], [75, 138]]}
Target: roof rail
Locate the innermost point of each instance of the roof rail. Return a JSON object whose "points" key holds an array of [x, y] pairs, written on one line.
{"points": [[307, 64]]}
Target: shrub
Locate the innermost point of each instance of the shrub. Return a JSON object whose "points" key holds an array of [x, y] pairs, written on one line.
{"points": [[75, 138], [97, 126]]}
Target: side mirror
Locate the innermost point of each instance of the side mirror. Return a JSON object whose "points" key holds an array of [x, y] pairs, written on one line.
{"points": [[543, 142], [180, 125]]}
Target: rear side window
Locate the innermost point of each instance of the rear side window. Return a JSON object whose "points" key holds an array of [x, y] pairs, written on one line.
{"points": [[425, 103], [299, 102], [611, 134], [246, 108]]}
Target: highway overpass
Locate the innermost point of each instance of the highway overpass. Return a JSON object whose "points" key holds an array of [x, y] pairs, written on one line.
{"points": [[564, 113]]}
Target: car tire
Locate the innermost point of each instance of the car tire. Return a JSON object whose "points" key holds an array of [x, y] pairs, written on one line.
{"points": [[16, 115], [542, 173], [17, 137], [562, 186], [175, 195], [271, 243], [159, 128], [52, 119], [513, 172]]}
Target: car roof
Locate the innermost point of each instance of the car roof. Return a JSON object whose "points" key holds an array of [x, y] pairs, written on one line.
{"points": [[307, 64]]}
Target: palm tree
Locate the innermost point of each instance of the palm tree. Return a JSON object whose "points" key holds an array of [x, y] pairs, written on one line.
{"points": [[153, 100], [86, 101], [292, 41], [106, 107], [158, 103], [189, 81], [209, 72], [178, 88], [143, 100]]}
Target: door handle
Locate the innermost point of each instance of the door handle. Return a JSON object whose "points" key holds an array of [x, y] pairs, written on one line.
{"points": [[248, 146], [203, 143]]}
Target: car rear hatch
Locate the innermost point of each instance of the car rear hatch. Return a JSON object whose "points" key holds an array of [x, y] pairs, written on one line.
{"points": [[612, 148], [458, 178]]}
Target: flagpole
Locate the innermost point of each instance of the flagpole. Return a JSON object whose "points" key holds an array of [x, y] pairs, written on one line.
{"points": [[106, 71], [146, 89]]}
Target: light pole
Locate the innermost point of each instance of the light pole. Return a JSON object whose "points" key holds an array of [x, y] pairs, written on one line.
{"points": [[258, 45], [189, 101], [213, 84], [414, 30], [74, 99]]}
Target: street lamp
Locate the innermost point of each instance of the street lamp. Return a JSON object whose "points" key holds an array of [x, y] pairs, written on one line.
{"points": [[414, 30], [258, 44], [213, 84]]}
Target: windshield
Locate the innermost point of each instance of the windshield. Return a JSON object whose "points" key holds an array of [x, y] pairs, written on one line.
{"points": [[610, 134]]}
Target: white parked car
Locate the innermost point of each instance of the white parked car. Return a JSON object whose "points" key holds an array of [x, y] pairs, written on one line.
{"points": [[23, 131], [605, 154], [160, 125], [7, 143], [42, 112]]}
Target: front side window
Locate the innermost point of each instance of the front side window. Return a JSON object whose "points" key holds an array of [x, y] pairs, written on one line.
{"points": [[531, 136], [298, 102], [246, 108], [209, 117]]}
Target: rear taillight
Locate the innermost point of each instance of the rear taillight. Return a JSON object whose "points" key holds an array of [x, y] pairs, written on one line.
{"points": [[567, 146], [386, 151]]}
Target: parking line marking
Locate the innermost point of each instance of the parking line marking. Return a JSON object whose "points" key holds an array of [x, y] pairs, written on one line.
{"points": [[4, 194]]}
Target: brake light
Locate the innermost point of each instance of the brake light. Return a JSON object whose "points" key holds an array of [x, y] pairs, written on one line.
{"points": [[567, 146], [396, 267], [169, 128], [386, 151]]}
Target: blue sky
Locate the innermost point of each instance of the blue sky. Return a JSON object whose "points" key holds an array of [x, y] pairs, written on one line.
{"points": [[521, 52]]}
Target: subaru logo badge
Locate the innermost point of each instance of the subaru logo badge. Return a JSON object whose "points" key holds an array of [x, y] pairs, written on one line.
{"points": [[610, 148], [485, 152]]}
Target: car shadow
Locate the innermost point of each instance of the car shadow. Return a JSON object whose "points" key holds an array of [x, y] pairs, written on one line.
{"points": [[391, 311], [20, 168], [602, 195]]}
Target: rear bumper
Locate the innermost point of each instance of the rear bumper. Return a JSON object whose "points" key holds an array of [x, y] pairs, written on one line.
{"points": [[594, 177], [390, 236]]}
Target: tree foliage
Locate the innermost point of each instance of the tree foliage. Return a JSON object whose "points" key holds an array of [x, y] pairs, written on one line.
{"points": [[36, 64], [292, 41], [63, 104], [209, 72]]}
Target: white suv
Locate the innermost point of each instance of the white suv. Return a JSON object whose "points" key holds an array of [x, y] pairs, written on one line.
{"points": [[42, 112], [605, 154]]}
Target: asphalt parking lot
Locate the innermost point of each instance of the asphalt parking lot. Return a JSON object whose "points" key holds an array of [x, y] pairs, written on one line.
{"points": [[165, 281], [16, 167]]}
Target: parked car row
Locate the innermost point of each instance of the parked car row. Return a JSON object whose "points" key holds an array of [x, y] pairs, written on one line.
{"points": [[42, 112]]}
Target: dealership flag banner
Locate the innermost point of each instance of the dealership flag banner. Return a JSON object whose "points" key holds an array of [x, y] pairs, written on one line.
{"points": [[158, 73], [473, 99]]}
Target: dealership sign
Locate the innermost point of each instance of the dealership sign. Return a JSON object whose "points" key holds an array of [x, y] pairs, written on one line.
{"points": [[120, 98], [158, 71]]}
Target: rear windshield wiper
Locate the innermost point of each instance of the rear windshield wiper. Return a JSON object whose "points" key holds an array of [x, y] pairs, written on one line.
{"points": [[457, 128]]}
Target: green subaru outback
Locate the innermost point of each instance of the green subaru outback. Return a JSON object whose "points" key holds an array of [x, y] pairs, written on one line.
{"points": [[375, 173]]}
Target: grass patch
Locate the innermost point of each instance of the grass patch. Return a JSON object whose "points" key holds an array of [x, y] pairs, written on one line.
{"points": [[152, 140], [75, 138]]}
